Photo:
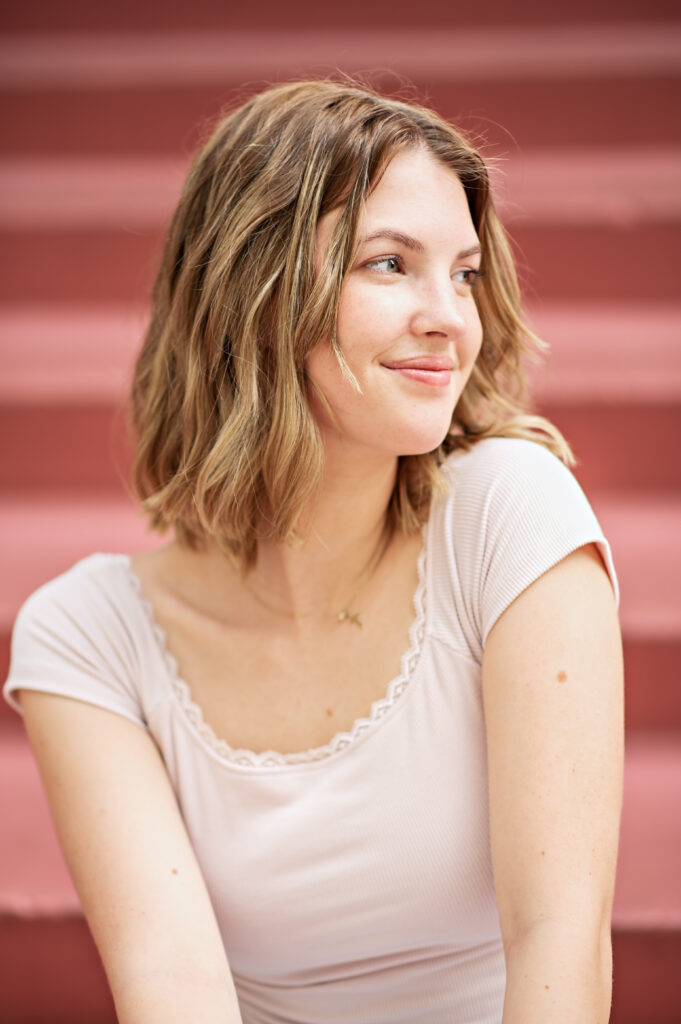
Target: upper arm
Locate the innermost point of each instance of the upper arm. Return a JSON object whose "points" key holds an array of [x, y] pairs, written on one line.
{"points": [[124, 842], [553, 704]]}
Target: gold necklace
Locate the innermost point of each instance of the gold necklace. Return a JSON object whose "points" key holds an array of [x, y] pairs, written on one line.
{"points": [[345, 614]]}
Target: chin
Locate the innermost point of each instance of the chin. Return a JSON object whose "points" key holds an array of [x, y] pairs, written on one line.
{"points": [[419, 451], [425, 443]]}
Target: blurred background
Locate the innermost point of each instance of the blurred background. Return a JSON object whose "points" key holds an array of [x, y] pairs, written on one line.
{"points": [[580, 105]]}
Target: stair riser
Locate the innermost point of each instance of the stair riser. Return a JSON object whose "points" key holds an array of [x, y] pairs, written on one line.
{"points": [[647, 980], [51, 972], [576, 263], [67, 449], [507, 113], [82, 15], [652, 669], [627, 446]]}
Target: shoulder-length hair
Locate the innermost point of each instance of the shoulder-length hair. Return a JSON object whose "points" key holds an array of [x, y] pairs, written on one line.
{"points": [[226, 444]]}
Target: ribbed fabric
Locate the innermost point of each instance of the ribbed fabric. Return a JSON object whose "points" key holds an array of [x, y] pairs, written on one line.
{"points": [[353, 883]]}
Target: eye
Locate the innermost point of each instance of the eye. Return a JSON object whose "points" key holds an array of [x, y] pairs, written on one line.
{"points": [[386, 264], [468, 276]]}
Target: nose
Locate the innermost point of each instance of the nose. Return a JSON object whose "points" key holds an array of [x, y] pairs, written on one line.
{"points": [[439, 310]]}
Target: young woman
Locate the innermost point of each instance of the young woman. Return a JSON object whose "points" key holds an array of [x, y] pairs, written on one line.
{"points": [[348, 748]]}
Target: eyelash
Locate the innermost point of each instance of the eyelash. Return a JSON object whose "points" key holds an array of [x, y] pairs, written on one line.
{"points": [[472, 274]]}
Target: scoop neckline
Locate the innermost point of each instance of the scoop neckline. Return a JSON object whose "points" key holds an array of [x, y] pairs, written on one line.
{"points": [[342, 740]]}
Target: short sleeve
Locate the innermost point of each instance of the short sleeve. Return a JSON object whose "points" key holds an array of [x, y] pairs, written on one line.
{"points": [[517, 510], [71, 638]]}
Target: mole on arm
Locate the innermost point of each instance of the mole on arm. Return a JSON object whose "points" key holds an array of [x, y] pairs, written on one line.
{"points": [[562, 677]]}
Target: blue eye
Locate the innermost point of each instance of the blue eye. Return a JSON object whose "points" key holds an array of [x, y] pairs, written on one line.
{"points": [[468, 276], [391, 264]]}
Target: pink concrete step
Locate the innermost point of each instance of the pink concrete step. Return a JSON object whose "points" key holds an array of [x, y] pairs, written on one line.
{"points": [[621, 352], [42, 933], [492, 49], [90, 231], [79, 15], [606, 186], [46, 537], [84, 448], [166, 120], [59, 355], [563, 262], [40, 538], [576, 83], [64, 372]]}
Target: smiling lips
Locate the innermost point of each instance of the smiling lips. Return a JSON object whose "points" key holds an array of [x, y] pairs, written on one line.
{"points": [[433, 370]]}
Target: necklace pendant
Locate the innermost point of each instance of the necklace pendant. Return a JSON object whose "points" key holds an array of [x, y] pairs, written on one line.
{"points": [[347, 616]]}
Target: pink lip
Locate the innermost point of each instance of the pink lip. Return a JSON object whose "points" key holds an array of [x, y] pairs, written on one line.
{"points": [[423, 362], [433, 370]]}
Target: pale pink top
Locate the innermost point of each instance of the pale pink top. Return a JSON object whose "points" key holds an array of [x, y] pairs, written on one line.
{"points": [[352, 882]]}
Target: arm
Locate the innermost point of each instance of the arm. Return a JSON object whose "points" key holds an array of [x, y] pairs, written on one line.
{"points": [[132, 864], [553, 702]]}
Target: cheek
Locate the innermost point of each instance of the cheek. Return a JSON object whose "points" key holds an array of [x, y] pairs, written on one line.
{"points": [[368, 320], [354, 325], [320, 367], [471, 344], [328, 391]]}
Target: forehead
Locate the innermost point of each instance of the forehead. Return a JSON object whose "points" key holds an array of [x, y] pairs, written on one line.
{"points": [[419, 179], [417, 194]]}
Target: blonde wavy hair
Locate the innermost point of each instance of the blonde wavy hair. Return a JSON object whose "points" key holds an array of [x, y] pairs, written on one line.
{"points": [[226, 444]]}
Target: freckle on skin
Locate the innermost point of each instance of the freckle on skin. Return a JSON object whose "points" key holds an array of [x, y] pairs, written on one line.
{"points": [[329, 712], [562, 677], [174, 871], [546, 986]]}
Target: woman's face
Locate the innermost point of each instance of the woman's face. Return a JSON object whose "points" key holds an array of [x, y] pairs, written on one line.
{"points": [[408, 325]]}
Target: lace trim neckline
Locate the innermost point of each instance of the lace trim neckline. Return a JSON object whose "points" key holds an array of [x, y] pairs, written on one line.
{"points": [[272, 758]]}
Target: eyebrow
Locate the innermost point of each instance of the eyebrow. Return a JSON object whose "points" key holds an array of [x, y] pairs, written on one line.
{"points": [[413, 243]]}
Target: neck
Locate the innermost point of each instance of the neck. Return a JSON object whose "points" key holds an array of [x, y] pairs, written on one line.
{"points": [[344, 533]]}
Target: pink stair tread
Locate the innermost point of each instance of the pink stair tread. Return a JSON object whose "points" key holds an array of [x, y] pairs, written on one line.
{"points": [[61, 356], [47, 537], [645, 536], [158, 118], [613, 186], [596, 355], [648, 891], [58, 355], [187, 58]]}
